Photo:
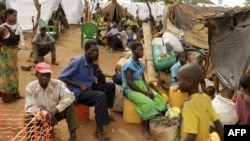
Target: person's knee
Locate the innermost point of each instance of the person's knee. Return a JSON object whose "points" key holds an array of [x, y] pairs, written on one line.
{"points": [[100, 96], [111, 86]]}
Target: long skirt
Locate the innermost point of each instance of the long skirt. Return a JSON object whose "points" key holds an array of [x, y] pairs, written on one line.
{"points": [[146, 107], [9, 74]]}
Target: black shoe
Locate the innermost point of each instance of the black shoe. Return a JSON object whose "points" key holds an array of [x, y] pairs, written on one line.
{"points": [[102, 136]]}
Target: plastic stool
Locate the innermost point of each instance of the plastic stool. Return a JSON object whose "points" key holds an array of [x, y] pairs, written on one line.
{"points": [[129, 113], [82, 113]]}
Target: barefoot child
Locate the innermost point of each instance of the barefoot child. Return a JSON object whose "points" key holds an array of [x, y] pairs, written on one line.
{"points": [[197, 111]]}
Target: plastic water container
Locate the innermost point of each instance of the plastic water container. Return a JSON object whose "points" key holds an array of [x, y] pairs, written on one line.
{"points": [[82, 113], [121, 62], [101, 19], [129, 113], [176, 97], [170, 38], [163, 58], [157, 41]]}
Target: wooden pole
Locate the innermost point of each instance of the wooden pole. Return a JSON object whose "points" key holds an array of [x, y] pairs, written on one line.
{"points": [[148, 50], [38, 8]]}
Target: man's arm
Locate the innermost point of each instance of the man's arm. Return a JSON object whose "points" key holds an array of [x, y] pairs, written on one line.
{"points": [[36, 40], [66, 97], [66, 74], [82, 87], [100, 76], [30, 101], [50, 39]]}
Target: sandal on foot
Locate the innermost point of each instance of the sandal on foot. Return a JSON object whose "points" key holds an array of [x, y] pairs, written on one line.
{"points": [[102, 136], [54, 63]]}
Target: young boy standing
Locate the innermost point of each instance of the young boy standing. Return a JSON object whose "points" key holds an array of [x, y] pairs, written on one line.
{"points": [[197, 111]]}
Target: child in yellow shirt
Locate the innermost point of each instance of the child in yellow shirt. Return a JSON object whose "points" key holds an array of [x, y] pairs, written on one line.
{"points": [[176, 97], [197, 111]]}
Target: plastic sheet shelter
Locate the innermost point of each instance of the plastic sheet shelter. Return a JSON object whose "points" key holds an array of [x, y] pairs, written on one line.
{"points": [[229, 40]]}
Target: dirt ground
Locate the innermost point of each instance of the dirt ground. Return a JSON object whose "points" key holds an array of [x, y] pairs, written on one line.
{"points": [[68, 46]]}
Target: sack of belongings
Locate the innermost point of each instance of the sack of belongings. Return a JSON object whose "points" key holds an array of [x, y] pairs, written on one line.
{"points": [[118, 102], [224, 107]]}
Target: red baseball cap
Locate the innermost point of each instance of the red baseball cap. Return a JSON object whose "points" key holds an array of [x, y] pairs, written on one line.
{"points": [[43, 68]]}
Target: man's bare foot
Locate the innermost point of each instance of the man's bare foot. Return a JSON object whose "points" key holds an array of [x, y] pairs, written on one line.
{"points": [[147, 135]]}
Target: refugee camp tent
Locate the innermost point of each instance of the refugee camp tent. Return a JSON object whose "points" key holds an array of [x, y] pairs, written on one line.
{"points": [[26, 10], [193, 21], [229, 35], [115, 11], [157, 9], [73, 10], [224, 31]]}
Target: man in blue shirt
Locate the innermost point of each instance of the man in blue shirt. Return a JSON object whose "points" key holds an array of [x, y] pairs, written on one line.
{"points": [[80, 76], [182, 58]]}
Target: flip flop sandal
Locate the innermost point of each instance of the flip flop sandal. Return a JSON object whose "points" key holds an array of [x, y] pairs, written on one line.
{"points": [[102, 136]]}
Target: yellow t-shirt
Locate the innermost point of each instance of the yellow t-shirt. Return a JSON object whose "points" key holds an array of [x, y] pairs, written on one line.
{"points": [[176, 97], [197, 113]]}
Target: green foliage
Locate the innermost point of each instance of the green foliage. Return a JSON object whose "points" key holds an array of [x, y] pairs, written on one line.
{"points": [[197, 1]]}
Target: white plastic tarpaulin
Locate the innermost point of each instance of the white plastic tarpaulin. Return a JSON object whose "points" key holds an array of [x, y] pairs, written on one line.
{"points": [[158, 9], [143, 12], [26, 10], [73, 10]]}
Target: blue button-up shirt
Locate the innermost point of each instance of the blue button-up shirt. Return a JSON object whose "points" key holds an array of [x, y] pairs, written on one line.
{"points": [[79, 70]]}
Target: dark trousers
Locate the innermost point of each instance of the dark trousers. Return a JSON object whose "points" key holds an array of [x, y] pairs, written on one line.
{"points": [[114, 42], [101, 96], [42, 51]]}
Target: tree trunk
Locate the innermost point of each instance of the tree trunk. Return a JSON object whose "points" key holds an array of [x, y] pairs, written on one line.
{"points": [[148, 61], [86, 10], [150, 13], [38, 8]]}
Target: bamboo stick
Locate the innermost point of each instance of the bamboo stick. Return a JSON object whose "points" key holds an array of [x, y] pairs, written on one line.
{"points": [[148, 50]]}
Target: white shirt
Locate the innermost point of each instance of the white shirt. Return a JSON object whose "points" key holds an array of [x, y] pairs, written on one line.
{"points": [[113, 31], [124, 37], [56, 95]]}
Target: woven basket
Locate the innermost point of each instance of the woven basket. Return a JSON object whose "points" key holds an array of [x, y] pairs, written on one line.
{"points": [[162, 130]]}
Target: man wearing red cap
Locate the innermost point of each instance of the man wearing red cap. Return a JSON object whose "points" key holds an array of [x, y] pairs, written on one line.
{"points": [[52, 97]]}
